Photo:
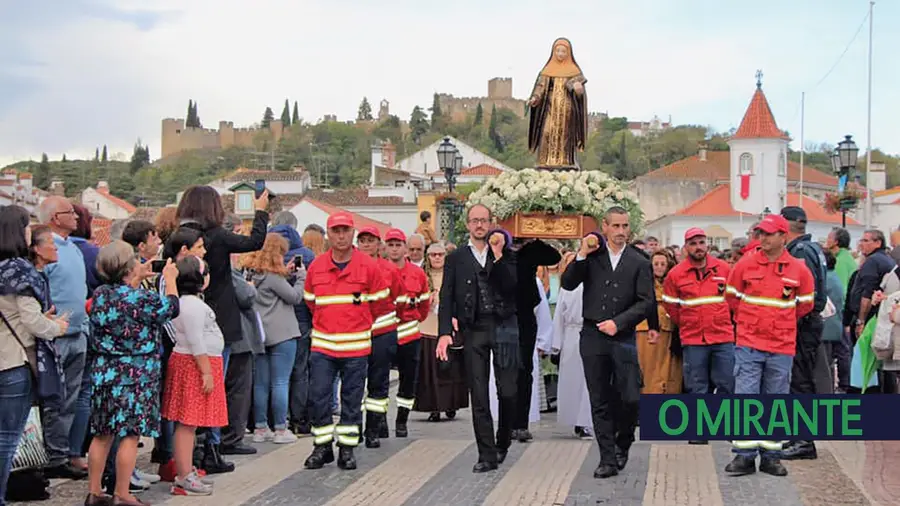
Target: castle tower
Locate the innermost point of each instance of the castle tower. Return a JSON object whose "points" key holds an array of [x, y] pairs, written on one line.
{"points": [[171, 136], [758, 159], [384, 109]]}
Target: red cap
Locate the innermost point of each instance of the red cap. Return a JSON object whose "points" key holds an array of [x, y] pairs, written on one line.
{"points": [[369, 230], [693, 232], [751, 246], [340, 219], [394, 234], [773, 223]]}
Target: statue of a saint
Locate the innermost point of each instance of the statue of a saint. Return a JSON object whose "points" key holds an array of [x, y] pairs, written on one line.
{"points": [[558, 104]]}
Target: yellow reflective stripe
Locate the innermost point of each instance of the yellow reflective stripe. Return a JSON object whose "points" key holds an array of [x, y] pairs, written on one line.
{"points": [[348, 440], [347, 429], [385, 321], [407, 325], [343, 346], [323, 439], [733, 291], [328, 300], [769, 302], [403, 299], [405, 403], [323, 430], [670, 300], [309, 296], [375, 405], [407, 329], [745, 445], [350, 336], [806, 298], [771, 445], [699, 301], [425, 296], [382, 294]]}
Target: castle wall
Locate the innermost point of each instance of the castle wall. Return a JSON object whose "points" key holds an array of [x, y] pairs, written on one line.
{"points": [[176, 138], [459, 109]]}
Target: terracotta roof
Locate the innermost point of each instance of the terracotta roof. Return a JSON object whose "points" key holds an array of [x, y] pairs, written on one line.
{"points": [[717, 167], [889, 191], [482, 169], [100, 231], [25, 175], [358, 220], [116, 200], [718, 203], [758, 122], [269, 175], [7, 182], [282, 202], [353, 197]]}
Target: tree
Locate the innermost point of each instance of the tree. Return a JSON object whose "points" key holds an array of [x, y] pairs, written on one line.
{"points": [[63, 158], [479, 115], [286, 114], [438, 122], [103, 156], [189, 120], [492, 128], [418, 125], [365, 110], [197, 122], [96, 154], [139, 158], [295, 119], [268, 118], [42, 173]]}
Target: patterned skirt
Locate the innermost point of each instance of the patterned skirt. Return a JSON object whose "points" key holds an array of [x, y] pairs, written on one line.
{"points": [[125, 410], [183, 398]]}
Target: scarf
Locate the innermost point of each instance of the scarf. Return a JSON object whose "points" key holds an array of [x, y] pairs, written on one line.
{"points": [[18, 276]]}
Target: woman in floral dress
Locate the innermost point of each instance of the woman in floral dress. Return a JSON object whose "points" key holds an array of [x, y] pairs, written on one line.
{"points": [[126, 322]]}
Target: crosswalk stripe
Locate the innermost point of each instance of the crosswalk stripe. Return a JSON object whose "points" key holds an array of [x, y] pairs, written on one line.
{"points": [[253, 479], [679, 473], [398, 478], [542, 475]]}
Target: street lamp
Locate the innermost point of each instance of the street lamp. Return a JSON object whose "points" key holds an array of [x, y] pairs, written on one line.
{"points": [[446, 154], [843, 162]]}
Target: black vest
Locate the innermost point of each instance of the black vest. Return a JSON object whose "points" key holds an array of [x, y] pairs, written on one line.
{"points": [[485, 305]]}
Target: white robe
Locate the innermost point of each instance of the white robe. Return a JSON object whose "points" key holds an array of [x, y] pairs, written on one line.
{"points": [[544, 335], [572, 401]]}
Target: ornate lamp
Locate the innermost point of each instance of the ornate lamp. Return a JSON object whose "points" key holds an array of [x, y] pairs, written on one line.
{"points": [[848, 152], [836, 161], [447, 154]]}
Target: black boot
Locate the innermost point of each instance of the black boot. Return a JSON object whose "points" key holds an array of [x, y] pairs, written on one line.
{"points": [[773, 467], [402, 417], [741, 465], [346, 460], [800, 450], [213, 463], [383, 432], [373, 424], [321, 455]]}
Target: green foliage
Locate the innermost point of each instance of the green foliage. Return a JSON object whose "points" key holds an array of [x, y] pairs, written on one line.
{"points": [[365, 110], [418, 125], [479, 115], [193, 118], [438, 121], [139, 158], [268, 118], [295, 117], [103, 157], [42, 174], [286, 114]]}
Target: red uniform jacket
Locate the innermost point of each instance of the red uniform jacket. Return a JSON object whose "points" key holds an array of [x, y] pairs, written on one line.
{"points": [[343, 304], [696, 302], [768, 297], [386, 310], [413, 302]]}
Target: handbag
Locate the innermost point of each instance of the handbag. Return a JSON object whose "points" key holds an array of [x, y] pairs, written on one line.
{"points": [[45, 366], [30, 453]]}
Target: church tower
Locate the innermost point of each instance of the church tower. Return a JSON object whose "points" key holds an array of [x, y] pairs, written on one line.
{"points": [[758, 159]]}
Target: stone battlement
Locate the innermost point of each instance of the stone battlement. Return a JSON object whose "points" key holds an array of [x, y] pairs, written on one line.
{"points": [[177, 138]]}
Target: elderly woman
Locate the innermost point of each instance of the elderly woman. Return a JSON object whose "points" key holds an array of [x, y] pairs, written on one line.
{"points": [[126, 322], [661, 368], [442, 385]]}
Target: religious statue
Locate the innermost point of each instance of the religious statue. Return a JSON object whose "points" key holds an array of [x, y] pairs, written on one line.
{"points": [[558, 123]]}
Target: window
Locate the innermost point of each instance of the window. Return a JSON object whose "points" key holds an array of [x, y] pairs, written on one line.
{"points": [[746, 164], [782, 164], [722, 243], [244, 202]]}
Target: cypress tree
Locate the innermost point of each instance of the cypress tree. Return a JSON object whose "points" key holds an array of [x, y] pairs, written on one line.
{"points": [[286, 114], [296, 116]]}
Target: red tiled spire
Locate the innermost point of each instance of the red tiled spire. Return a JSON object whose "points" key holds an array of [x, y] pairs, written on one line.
{"points": [[758, 122]]}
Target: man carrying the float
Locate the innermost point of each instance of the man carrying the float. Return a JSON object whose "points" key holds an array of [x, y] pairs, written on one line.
{"points": [[343, 288], [413, 302], [384, 341]]}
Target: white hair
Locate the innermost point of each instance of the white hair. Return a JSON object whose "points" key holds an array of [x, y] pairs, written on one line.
{"points": [[415, 236], [48, 208]]}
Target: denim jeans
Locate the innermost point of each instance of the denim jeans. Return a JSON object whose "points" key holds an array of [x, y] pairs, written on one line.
{"points": [[708, 367], [15, 397], [300, 382], [81, 422], [58, 418], [271, 380], [760, 372], [215, 433]]}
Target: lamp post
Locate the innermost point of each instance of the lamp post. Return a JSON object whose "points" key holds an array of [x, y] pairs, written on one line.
{"points": [[843, 162], [450, 162]]}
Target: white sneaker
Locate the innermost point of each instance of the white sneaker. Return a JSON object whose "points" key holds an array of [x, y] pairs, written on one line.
{"points": [[148, 477], [284, 436], [191, 485], [263, 435], [138, 482]]}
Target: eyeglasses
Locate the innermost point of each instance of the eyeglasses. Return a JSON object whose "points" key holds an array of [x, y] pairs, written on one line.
{"points": [[479, 221], [70, 211]]}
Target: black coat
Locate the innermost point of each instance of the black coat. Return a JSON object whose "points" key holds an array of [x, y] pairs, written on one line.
{"points": [[220, 244], [625, 295], [459, 291], [528, 258]]}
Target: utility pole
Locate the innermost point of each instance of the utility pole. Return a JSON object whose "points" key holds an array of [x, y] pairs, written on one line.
{"points": [[869, 125]]}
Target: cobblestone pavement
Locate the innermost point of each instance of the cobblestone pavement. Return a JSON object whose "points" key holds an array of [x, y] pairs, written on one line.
{"points": [[433, 467]]}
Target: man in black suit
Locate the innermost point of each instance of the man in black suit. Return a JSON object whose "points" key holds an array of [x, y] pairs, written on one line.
{"points": [[479, 297], [618, 294]]}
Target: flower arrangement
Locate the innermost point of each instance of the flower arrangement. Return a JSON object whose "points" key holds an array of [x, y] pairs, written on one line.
{"points": [[837, 202], [588, 193]]}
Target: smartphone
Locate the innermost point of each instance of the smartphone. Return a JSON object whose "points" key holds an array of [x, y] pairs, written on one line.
{"points": [[157, 265], [260, 187]]}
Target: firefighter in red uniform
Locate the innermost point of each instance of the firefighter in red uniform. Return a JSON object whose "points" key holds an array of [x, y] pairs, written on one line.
{"points": [[343, 288], [413, 303], [384, 342], [769, 291], [694, 297]]}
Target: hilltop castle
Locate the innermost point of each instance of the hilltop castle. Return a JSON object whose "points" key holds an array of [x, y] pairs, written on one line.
{"points": [[176, 138], [499, 95]]}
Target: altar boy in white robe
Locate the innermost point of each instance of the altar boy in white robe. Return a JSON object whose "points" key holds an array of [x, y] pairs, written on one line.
{"points": [[544, 338], [573, 403]]}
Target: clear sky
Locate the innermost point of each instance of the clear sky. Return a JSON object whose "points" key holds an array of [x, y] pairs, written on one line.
{"points": [[77, 74]]}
